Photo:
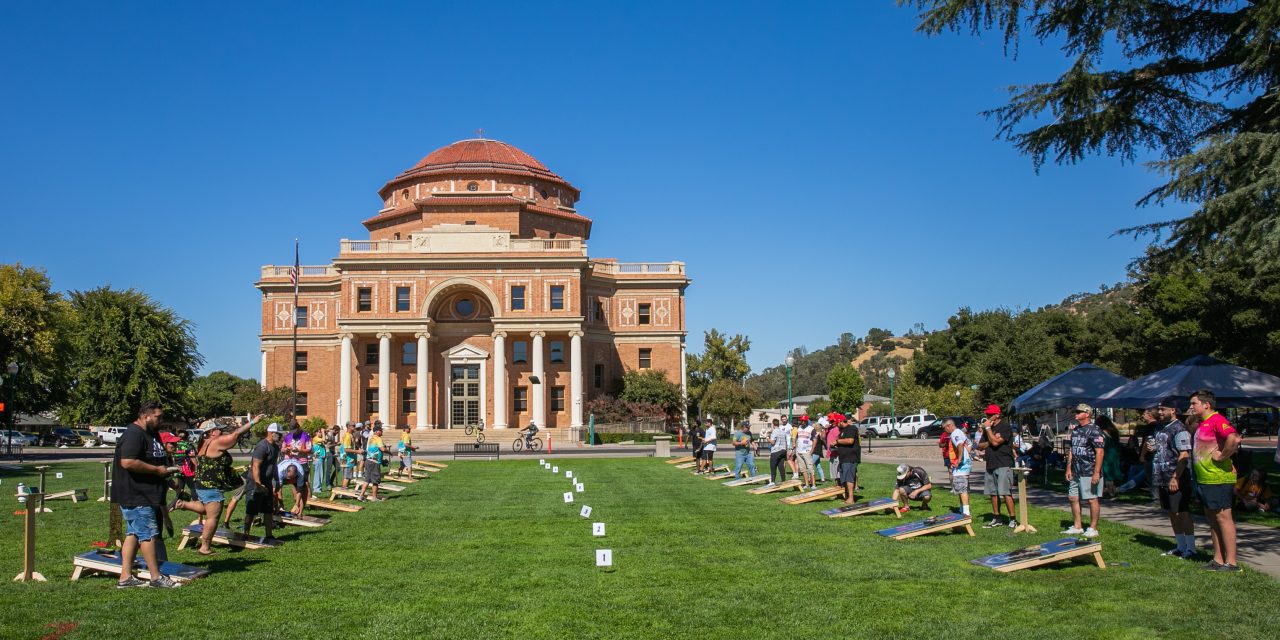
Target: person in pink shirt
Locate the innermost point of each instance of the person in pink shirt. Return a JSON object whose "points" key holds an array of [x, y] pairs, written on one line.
{"points": [[832, 434]]}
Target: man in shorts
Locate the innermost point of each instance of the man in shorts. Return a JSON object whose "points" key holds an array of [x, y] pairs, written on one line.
{"points": [[347, 450], [960, 461], [1169, 450], [849, 452], [374, 452], [695, 445], [998, 450], [804, 454], [138, 475], [913, 484], [1084, 471], [709, 448], [1214, 443], [260, 481]]}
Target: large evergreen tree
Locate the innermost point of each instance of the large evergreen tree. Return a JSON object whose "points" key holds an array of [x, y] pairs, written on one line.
{"points": [[1195, 81]]}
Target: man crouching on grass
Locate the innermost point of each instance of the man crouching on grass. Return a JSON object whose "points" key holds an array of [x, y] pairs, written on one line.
{"points": [[913, 484]]}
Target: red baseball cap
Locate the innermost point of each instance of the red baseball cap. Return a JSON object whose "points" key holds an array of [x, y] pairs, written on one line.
{"points": [[168, 438], [993, 410]]}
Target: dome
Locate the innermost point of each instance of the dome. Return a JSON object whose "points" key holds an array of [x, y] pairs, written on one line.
{"points": [[479, 156]]}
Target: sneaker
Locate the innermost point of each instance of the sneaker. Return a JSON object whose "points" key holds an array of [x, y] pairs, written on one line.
{"points": [[1187, 555], [133, 581], [1072, 531], [1211, 565], [995, 522], [771, 484], [1228, 568], [1090, 533], [904, 509], [1013, 524], [164, 582], [1173, 552]]}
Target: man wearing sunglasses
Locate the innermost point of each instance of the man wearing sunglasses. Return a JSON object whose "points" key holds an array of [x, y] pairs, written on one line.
{"points": [[1084, 471]]}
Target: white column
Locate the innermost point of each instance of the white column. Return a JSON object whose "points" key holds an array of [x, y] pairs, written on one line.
{"points": [[684, 386], [538, 391], [500, 380], [384, 378], [423, 406], [344, 380], [263, 379], [575, 378]]}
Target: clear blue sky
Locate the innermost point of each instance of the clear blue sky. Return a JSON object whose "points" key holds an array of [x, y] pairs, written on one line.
{"points": [[820, 167]]}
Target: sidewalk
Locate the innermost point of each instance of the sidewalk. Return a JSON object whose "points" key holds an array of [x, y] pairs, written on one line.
{"points": [[1257, 546]]}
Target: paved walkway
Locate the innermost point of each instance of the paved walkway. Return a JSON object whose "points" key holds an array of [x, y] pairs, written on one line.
{"points": [[1257, 546]]}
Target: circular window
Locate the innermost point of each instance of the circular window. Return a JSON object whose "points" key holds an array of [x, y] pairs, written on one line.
{"points": [[471, 186], [464, 307]]}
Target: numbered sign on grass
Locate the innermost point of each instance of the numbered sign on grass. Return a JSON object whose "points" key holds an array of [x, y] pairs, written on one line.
{"points": [[568, 474], [555, 469], [578, 487], [58, 475], [597, 529], [568, 497], [604, 557], [542, 461], [586, 511]]}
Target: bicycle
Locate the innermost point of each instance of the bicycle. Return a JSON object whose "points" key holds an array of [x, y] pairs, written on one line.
{"points": [[475, 429], [533, 444]]}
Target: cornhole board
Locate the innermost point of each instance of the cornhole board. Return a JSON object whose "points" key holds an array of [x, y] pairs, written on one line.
{"points": [[681, 460], [334, 506], [74, 495], [861, 508], [339, 492], [783, 486], [386, 486], [718, 476], [1043, 554], [303, 520], [825, 493], [191, 533], [720, 469], [109, 562], [687, 465], [746, 481], [426, 470], [932, 524], [400, 478], [430, 465]]}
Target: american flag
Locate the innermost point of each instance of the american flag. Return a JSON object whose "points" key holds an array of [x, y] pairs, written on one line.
{"points": [[296, 270], [293, 275]]}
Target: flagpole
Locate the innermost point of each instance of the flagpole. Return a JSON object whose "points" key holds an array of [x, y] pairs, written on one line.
{"points": [[297, 276]]}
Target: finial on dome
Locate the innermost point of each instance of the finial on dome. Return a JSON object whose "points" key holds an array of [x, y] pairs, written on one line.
{"points": [[480, 133]]}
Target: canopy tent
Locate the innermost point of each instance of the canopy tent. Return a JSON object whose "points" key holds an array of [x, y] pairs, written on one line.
{"points": [[1234, 386], [1081, 383]]}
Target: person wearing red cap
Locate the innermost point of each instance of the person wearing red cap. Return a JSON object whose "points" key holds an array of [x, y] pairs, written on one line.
{"points": [[849, 452], [997, 444]]}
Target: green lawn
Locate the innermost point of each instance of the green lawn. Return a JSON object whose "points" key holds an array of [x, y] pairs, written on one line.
{"points": [[489, 549]]}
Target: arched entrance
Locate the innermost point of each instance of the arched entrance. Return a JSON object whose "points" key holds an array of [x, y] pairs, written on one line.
{"points": [[461, 312]]}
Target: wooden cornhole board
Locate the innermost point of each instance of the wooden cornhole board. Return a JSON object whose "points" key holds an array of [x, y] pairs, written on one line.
{"points": [[74, 495], [718, 476], [720, 469], [398, 477], [746, 481], [191, 533], [334, 506], [386, 486], [789, 484], [861, 508], [109, 562], [932, 524], [825, 493], [430, 465], [1043, 554], [339, 492], [687, 465], [426, 471], [681, 460], [303, 520]]}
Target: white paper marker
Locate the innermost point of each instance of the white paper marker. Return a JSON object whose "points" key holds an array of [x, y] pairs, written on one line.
{"points": [[597, 529], [586, 511], [568, 474], [555, 469], [578, 487], [58, 475], [542, 461], [604, 557]]}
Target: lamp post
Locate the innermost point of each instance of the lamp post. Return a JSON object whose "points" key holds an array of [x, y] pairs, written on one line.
{"points": [[893, 413], [790, 362], [11, 412]]}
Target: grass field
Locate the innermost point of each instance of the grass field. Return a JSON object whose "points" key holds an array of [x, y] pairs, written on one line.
{"points": [[490, 550]]}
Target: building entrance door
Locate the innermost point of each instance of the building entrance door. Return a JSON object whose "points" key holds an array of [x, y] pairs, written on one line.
{"points": [[464, 397]]}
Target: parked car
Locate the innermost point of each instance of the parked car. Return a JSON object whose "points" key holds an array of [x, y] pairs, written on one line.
{"points": [[87, 437], [909, 425], [17, 437], [934, 429], [1255, 423], [62, 436], [110, 435], [875, 426]]}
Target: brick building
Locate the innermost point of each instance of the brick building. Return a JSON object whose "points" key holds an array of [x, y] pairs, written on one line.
{"points": [[474, 282]]}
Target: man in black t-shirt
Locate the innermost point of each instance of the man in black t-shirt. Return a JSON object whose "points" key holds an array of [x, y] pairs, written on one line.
{"points": [[138, 475], [849, 453], [997, 444], [260, 481], [695, 442]]}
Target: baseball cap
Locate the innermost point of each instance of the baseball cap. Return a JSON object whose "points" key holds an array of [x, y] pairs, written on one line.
{"points": [[273, 428], [359, 425], [903, 470], [1171, 402], [168, 438], [377, 427], [1084, 407], [993, 410]]}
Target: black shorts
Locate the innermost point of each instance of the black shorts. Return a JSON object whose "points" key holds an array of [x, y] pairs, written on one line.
{"points": [[708, 455], [1217, 497], [260, 501], [1175, 502]]}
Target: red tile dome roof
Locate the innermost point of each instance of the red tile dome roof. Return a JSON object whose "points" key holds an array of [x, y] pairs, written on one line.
{"points": [[478, 156]]}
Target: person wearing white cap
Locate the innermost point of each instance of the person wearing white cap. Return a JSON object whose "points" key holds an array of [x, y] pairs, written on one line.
{"points": [[260, 481], [913, 484], [1084, 471]]}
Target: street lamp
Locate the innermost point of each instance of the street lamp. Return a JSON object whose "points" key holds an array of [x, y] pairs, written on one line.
{"points": [[12, 370], [893, 413], [790, 362]]}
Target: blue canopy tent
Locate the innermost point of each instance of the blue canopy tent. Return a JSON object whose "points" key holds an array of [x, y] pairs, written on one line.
{"points": [[1082, 383], [1234, 386]]}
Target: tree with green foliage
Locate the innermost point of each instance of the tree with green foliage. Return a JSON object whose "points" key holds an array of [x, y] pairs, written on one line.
{"points": [[33, 335], [214, 395], [313, 424], [251, 398], [1196, 81], [723, 357], [651, 386], [126, 348], [847, 388], [729, 401]]}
